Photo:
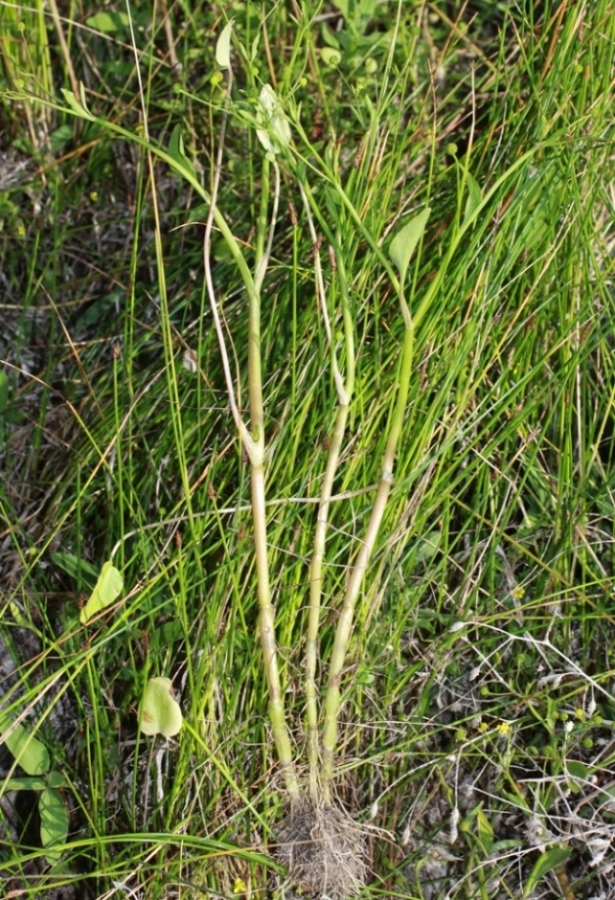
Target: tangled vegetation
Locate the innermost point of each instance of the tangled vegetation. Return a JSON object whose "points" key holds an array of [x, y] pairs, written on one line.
{"points": [[307, 332]]}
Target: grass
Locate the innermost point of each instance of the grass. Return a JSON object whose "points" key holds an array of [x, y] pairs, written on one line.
{"points": [[476, 725]]}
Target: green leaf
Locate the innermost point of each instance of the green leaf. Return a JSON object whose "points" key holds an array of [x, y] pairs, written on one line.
{"points": [[551, 859], [271, 115], [100, 310], [577, 769], [4, 391], [176, 150], [30, 753], [24, 783], [165, 636], [14, 417], [79, 108], [356, 13], [475, 197], [223, 46], [577, 775], [485, 831], [404, 243], [329, 38], [429, 546], [108, 588], [109, 22], [59, 138], [56, 780], [54, 823], [81, 570], [159, 712]]}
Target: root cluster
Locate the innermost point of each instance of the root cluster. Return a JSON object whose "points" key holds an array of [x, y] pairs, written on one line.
{"points": [[323, 849]]}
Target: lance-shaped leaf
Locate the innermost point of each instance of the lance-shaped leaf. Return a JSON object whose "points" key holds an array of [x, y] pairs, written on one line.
{"points": [[550, 859], [474, 197], [404, 243], [108, 588], [178, 152], [159, 712], [78, 106], [223, 46], [4, 391]]}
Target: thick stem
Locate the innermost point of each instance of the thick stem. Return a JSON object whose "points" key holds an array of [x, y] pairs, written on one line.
{"points": [[355, 580]]}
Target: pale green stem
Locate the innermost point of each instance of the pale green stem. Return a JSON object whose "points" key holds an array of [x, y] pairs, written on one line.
{"points": [[316, 584], [355, 580], [266, 627], [266, 624], [344, 392], [215, 215], [254, 441], [263, 257]]}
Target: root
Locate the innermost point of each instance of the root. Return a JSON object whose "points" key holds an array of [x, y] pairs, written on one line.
{"points": [[323, 849]]}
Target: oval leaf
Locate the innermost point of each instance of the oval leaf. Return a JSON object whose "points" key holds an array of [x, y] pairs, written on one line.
{"points": [[109, 22], [29, 753], [404, 243], [160, 712], [54, 823], [108, 588], [223, 46]]}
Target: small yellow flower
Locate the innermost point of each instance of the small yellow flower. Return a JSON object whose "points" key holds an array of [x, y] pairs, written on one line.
{"points": [[518, 592], [94, 196], [239, 886], [21, 229], [504, 728]]}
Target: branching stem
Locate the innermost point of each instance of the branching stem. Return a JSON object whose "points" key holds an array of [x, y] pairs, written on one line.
{"points": [[254, 440], [344, 388]]}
